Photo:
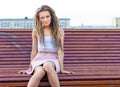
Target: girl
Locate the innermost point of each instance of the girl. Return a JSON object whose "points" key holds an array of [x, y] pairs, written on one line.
{"points": [[47, 48]]}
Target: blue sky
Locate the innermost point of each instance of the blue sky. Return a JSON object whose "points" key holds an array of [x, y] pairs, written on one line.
{"points": [[87, 12]]}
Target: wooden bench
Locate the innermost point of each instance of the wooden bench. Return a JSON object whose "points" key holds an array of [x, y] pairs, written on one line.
{"points": [[94, 54]]}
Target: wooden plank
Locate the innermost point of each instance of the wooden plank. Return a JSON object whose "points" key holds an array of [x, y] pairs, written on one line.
{"points": [[93, 54]]}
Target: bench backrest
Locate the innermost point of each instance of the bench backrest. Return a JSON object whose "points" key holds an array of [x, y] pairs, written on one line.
{"points": [[100, 46]]}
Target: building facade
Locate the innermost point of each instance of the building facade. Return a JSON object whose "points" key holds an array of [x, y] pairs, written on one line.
{"points": [[27, 23], [116, 22], [64, 22]]}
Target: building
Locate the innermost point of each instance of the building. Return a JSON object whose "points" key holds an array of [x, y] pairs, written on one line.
{"points": [[93, 27], [16, 23], [116, 22], [65, 22], [27, 23]]}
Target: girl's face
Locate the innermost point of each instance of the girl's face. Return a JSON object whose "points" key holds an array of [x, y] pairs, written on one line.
{"points": [[45, 18]]}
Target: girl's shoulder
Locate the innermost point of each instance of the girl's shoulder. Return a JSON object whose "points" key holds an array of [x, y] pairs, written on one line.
{"points": [[61, 30], [34, 32]]}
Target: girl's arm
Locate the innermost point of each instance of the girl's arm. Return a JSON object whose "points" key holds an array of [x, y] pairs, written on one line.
{"points": [[34, 46], [61, 55], [61, 52], [33, 52]]}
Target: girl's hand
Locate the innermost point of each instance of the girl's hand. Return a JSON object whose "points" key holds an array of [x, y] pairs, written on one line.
{"points": [[25, 71], [22, 72], [67, 72]]}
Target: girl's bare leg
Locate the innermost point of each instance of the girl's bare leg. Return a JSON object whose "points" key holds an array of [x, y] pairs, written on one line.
{"points": [[49, 67], [37, 76]]}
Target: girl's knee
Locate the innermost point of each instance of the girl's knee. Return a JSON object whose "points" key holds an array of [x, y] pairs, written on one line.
{"points": [[49, 66], [39, 71]]}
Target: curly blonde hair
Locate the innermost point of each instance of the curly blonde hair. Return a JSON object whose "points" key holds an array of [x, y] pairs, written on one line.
{"points": [[54, 25]]}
